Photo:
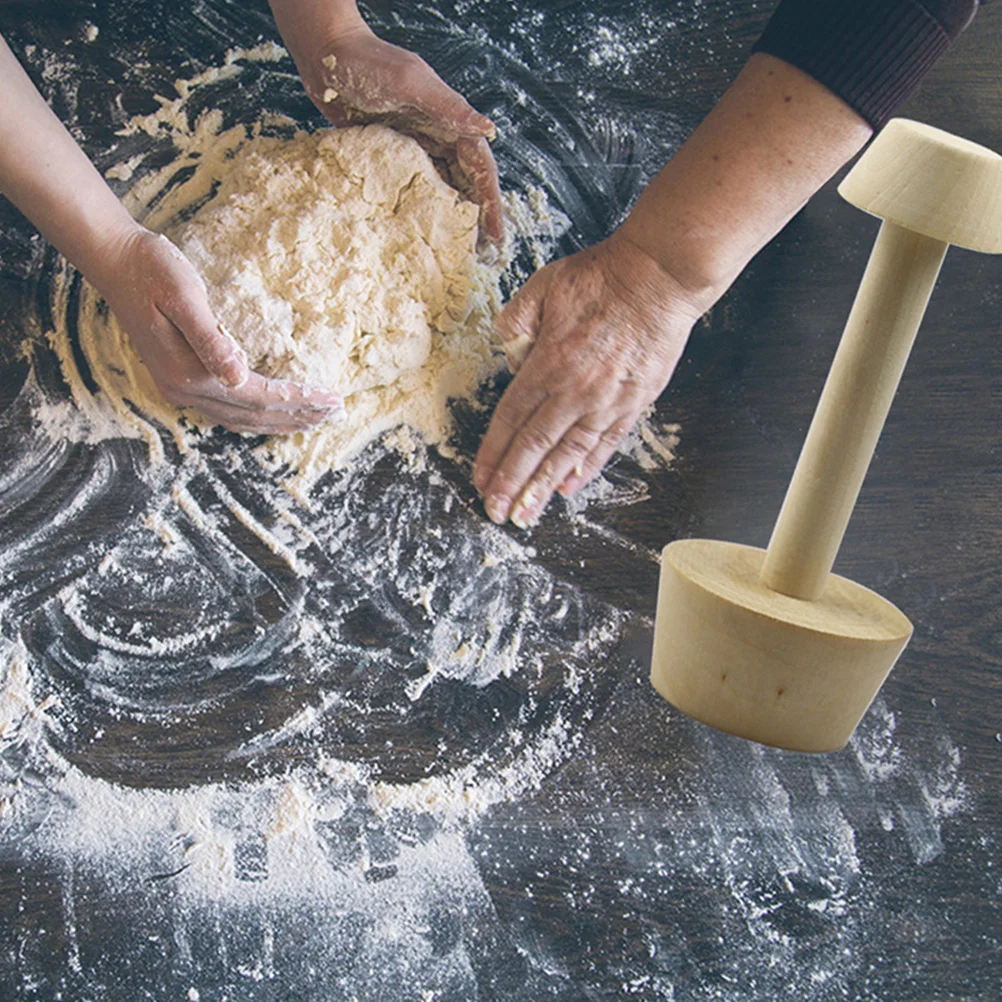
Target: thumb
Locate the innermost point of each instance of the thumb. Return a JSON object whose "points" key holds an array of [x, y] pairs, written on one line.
{"points": [[189, 311], [449, 110], [518, 324]]}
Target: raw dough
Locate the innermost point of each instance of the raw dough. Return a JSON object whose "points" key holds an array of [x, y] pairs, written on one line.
{"points": [[336, 258]]}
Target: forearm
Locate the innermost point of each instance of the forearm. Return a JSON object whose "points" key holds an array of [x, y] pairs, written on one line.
{"points": [[772, 140], [49, 178]]}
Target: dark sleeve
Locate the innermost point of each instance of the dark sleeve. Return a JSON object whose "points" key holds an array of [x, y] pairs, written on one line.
{"points": [[871, 53]]}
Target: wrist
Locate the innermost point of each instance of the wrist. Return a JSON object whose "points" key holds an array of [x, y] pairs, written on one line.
{"points": [[771, 141], [102, 261], [644, 273], [689, 273]]}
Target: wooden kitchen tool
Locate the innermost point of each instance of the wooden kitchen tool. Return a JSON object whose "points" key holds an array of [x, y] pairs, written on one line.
{"points": [[769, 644]]}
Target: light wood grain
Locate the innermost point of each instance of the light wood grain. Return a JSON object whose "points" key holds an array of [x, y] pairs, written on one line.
{"points": [[778, 670], [931, 182]]}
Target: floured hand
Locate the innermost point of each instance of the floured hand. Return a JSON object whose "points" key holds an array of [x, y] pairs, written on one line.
{"points": [[595, 338], [160, 301]]}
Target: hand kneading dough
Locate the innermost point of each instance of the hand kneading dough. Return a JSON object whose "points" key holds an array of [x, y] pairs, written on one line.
{"points": [[336, 257]]}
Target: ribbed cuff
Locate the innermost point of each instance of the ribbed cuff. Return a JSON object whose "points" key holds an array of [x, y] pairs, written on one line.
{"points": [[871, 53]]}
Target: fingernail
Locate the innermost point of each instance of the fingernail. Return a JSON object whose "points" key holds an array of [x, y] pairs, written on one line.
{"points": [[527, 509], [523, 517], [480, 478], [489, 128], [497, 508], [529, 497], [572, 483], [234, 373]]}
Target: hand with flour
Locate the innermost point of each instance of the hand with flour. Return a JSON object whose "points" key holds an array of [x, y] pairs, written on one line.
{"points": [[354, 77], [154, 292], [162, 303], [601, 331]]}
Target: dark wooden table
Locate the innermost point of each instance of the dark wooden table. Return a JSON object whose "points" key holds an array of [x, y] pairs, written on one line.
{"points": [[660, 860]]}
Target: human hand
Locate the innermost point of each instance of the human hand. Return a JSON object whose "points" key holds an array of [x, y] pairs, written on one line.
{"points": [[600, 333], [354, 78], [161, 303]]}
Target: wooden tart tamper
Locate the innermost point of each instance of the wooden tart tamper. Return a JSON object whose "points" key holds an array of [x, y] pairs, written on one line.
{"points": [[769, 644]]}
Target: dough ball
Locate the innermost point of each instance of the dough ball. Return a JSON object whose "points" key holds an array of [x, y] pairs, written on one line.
{"points": [[337, 257]]}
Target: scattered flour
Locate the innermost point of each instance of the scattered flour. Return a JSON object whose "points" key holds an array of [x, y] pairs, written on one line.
{"points": [[168, 588], [389, 303]]}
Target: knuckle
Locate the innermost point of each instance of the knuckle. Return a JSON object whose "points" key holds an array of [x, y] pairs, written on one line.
{"points": [[505, 484], [501, 480], [579, 441], [625, 424], [580, 373], [534, 438], [506, 419], [545, 475], [613, 435], [203, 343]]}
